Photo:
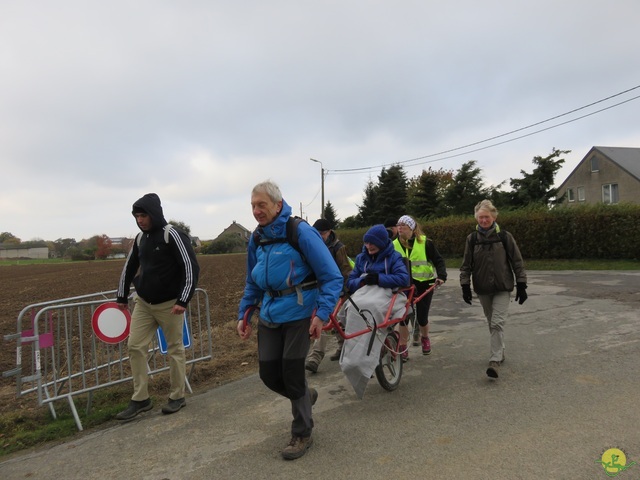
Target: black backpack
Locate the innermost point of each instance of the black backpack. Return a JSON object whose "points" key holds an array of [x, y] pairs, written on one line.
{"points": [[502, 234], [291, 238]]}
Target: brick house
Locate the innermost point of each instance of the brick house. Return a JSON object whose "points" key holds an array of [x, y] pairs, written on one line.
{"points": [[237, 229], [605, 175]]}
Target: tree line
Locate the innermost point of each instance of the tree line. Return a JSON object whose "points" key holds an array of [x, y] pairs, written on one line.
{"points": [[428, 196], [98, 247], [442, 193]]}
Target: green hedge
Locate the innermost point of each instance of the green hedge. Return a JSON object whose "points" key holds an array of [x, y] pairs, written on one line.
{"points": [[589, 231]]}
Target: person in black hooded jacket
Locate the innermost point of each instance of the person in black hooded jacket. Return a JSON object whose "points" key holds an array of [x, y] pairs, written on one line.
{"points": [[162, 266]]}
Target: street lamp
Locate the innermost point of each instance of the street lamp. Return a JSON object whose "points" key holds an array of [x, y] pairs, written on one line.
{"points": [[321, 186]]}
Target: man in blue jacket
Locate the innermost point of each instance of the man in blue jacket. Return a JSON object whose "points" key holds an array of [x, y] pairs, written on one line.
{"points": [[162, 265], [288, 282]]}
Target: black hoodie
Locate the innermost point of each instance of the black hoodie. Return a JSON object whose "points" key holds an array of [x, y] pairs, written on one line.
{"points": [[160, 270]]}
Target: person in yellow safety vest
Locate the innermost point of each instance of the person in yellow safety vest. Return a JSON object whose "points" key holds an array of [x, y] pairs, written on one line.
{"points": [[413, 244]]}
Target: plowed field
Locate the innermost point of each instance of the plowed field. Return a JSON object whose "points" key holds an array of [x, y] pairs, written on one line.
{"points": [[222, 276]]}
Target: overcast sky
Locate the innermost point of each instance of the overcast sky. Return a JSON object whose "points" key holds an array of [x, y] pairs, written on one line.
{"points": [[102, 102]]}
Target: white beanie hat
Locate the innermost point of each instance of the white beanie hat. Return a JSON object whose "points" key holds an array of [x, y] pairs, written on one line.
{"points": [[408, 221]]}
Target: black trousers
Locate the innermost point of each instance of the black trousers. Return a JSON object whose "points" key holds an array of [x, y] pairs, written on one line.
{"points": [[422, 310], [282, 349]]}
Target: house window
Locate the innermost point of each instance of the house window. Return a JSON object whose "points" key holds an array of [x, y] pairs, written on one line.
{"points": [[610, 193], [594, 164], [580, 194], [570, 195]]}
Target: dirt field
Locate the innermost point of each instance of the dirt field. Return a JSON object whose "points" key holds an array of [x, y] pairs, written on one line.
{"points": [[222, 276]]}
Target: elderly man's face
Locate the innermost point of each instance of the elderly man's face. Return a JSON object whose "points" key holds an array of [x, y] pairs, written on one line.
{"points": [[264, 209]]}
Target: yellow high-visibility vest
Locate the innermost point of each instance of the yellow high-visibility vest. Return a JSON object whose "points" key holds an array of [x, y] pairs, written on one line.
{"points": [[421, 268]]}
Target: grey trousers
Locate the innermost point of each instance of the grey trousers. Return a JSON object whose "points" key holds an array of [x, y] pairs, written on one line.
{"points": [[496, 309]]}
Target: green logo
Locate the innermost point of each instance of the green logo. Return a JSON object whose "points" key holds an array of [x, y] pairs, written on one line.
{"points": [[614, 461]]}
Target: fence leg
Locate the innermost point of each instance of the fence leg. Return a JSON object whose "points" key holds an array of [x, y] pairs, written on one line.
{"points": [[50, 404], [75, 412]]}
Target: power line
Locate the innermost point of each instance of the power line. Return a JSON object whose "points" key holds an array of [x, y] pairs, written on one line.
{"points": [[526, 135], [362, 169]]}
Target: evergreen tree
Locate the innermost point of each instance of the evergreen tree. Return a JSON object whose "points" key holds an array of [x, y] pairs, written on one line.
{"points": [[535, 187], [465, 191], [367, 212], [426, 192], [391, 198], [330, 215]]}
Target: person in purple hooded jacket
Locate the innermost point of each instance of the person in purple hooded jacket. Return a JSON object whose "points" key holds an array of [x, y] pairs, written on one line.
{"points": [[378, 263]]}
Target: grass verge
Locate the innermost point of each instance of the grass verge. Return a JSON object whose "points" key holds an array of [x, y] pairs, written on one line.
{"points": [[30, 427]]}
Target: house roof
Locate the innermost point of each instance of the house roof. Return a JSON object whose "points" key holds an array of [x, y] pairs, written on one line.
{"points": [[235, 226], [627, 158]]}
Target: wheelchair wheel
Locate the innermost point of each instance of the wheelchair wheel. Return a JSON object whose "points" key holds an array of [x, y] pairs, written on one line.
{"points": [[389, 370]]}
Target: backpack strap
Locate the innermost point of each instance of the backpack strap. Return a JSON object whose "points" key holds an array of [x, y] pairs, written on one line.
{"points": [[292, 239], [502, 234], [291, 235], [167, 231]]}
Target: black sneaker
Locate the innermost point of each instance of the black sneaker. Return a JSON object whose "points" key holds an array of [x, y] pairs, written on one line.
{"points": [[135, 407], [174, 405]]}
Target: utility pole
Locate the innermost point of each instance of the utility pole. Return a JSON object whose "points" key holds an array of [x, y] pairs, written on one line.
{"points": [[321, 186]]}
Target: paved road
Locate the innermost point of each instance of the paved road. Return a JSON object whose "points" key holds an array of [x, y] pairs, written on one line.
{"points": [[568, 392]]}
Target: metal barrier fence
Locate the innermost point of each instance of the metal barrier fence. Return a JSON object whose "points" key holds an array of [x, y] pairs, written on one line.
{"points": [[59, 356]]}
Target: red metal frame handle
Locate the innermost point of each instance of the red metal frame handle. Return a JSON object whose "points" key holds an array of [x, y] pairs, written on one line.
{"points": [[247, 315], [333, 323]]}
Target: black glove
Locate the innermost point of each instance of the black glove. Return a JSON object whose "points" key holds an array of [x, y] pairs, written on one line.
{"points": [[466, 293], [371, 279], [521, 292]]}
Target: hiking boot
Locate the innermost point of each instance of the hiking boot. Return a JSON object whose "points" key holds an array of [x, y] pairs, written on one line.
{"points": [[311, 366], [416, 339], [492, 371], [404, 353], [135, 407], [426, 346], [336, 355], [314, 396], [174, 405], [297, 447]]}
